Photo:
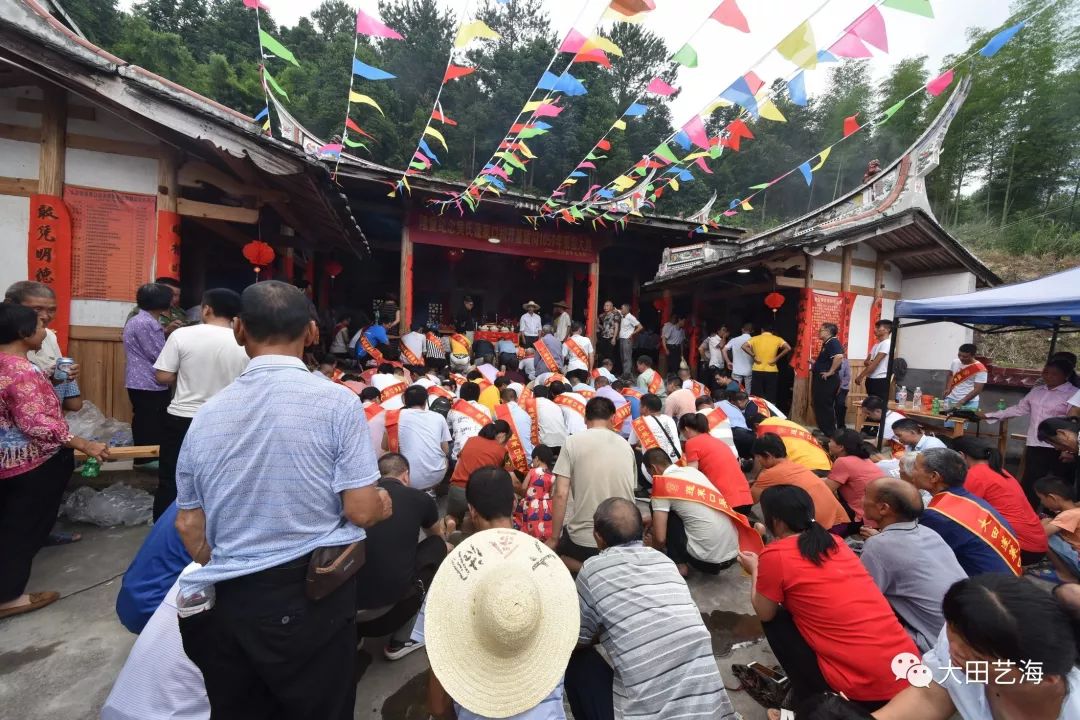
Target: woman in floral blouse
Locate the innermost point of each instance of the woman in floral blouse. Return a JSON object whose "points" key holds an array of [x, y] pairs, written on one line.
{"points": [[533, 512], [36, 461]]}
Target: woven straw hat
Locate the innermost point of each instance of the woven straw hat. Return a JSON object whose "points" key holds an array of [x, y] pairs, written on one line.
{"points": [[500, 622]]}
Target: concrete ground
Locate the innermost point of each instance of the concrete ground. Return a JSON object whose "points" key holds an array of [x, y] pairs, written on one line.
{"points": [[60, 662]]}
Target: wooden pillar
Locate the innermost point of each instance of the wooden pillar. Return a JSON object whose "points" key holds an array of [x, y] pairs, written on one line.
{"points": [[802, 410], [845, 268], [49, 233], [168, 246], [879, 279], [665, 315], [592, 306], [697, 330], [288, 265], [568, 295], [405, 294], [53, 141]]}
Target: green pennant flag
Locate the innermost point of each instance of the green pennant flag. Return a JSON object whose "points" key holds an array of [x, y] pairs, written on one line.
{"points": [[274, 84], [276, 48], [687, 56], [890, 112], [416, 165], [510, 159], [576, 214], [715, 151], [353, 143], [762, 186], [469, 201], [638, 171], [662, 150], [530, 133], [918, 7], [594, 156]]}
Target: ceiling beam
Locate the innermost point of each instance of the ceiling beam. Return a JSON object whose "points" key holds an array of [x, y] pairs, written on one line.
{"points": [[210, 211], [196, 173], [911, 252]]}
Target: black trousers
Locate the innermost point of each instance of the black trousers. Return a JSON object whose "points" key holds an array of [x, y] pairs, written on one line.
{"points": [[266, 651], [28, 506], [879, 387], [799, 661], [823, 393], [588, 684], [840, 406], [677, 551], [744, 441], [173, 431], [765, 384], [147, 416], [429, 556], [1040, 462]]}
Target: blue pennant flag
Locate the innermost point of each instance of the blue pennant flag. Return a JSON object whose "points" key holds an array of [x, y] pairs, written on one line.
{"points": [[578, 174], [734, 204], [796, 89], [426, 149], [636, 110], [807, 173], [999, 40], [370, 73], [824, 56], [685, 176], [541, 125], [606, 193], [492, 180], [739, 93], [682, 140], [565, 83], [264, 113]]}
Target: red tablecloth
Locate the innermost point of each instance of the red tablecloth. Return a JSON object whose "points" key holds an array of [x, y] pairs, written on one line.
{"points": [[494, 337]]}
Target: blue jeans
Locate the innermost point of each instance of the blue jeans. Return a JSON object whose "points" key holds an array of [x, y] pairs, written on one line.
{"points": [[1066, 552]]}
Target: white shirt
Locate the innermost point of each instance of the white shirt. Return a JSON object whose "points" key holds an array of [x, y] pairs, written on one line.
{"points": [[668, 442], [340, 344], [1075, 399], [928, 442], [552, 425], [45, 358], [722, 431], [158, 681], [629, 324], [967, 385], [891, 418], [741, 363], [206, 359], [562, 326], [575, 423], [710, 535], [415, 342], [611, 378], [882, 368], [463, 427], [573, 361], [377, 428], [420, 433], [530, 324], [715, 346], [381, 381]]}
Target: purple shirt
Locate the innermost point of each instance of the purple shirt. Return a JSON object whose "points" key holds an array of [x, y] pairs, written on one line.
{"points": [[143, 340], [615, 397]]}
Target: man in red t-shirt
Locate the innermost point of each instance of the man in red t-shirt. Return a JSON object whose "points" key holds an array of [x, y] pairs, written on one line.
{"points": [[715, 461]]}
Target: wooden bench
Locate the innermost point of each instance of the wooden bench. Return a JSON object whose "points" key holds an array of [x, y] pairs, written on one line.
{"points": [[130, 452]]}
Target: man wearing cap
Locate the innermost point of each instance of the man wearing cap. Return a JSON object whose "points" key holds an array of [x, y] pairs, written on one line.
{"points": [[561, 320], [501, 618], [634, 602], [530, 325]]}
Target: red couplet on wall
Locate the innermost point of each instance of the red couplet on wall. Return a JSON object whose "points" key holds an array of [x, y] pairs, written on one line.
{"points": [[168, 245], [49, 256]]}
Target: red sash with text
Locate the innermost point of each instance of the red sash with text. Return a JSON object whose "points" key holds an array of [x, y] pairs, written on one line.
{"points": [[483, 382], [572, 403], [440, 391], [545, 355], [555, 377], [370, 349], [466, 408], [716, 418], [648, 439], [655, 383], [666, 487], [578, 352], [514, 448], [373, 411], [594, 373], [459, 380], [393, 444], [410, 358], [587, 394], [631, 392], [698, 389], [529, 403], [392, 391], [461, 340], [762, 406], [963, 374], [434, 339], [982, 523], [622, 413], [785, 431]]}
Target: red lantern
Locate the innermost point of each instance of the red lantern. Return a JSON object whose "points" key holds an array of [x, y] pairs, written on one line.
{"points": [[454, 255], [333, 269], [658, 305], [258, 254], [533, 265], [774, 301]]}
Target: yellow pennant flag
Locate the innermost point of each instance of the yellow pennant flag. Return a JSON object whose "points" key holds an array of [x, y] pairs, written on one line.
{"points": [[619, 125], [525, 150], [437, 135], [768, 110], [695, 155], [570, 181], [364, 100], [405, 182], [623, 183], [613, 14], [674, 184], [799, 47], [599, 42], [473, 30], [822, 157], [746, 205], [529, 107], [716, 104]]}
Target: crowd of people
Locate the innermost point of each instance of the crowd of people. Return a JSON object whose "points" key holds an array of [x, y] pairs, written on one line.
{"points": [[298, 515]]}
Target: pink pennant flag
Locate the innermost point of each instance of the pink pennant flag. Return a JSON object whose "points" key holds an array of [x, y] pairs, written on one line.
{"points": [[936, 86], [497, 171], [573, 42], [367, 25], [255, 5], [695, 130], [729, 213], [587, 164], [421, 158], [548, 110], [330, 148], [850, 46], [728, 13], [558, 193], [700, 162], [754, 82], [659, 87], [870, 27]]}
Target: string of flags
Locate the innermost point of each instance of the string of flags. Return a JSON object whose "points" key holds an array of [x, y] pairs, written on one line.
{"points": [[457, 67], [374, 28], [269, 46]]}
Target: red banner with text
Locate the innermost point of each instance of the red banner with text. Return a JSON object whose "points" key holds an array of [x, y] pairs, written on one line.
{"points": [[168, 245], [815, 308], [49, 256]]}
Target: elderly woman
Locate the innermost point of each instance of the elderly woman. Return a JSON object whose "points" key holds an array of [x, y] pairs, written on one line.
{"points": [[143, 340], [35, 458]]}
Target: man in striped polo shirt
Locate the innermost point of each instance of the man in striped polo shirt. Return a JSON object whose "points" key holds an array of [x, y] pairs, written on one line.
{"points": [[635, 603]]}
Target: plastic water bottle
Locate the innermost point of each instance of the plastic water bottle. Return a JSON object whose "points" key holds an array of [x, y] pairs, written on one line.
{"points": [[901, 396], [916, 399], [936, 407], [91, 468], [1001, 404]]}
